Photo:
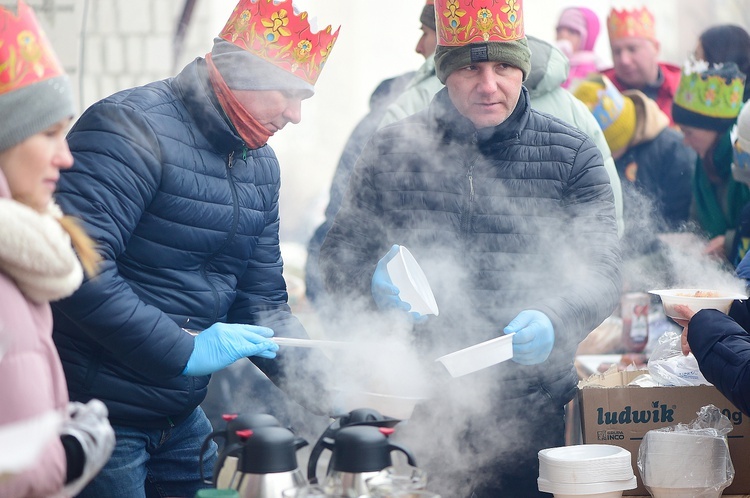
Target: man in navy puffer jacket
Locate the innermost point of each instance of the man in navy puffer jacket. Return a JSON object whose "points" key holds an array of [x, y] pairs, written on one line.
{"points": [[511, 216], [175, 182]]}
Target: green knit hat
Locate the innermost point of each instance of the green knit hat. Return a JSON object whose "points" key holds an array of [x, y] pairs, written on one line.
{"points": [[516, 53]]}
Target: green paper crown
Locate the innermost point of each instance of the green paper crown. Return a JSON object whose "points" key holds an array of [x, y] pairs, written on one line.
{"points": [[715, 92]]}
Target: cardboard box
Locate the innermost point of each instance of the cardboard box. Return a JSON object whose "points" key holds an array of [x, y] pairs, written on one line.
{"points": [[611, 412]]}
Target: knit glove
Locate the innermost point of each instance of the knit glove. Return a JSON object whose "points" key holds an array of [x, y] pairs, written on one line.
{"points": [[89, 425]]}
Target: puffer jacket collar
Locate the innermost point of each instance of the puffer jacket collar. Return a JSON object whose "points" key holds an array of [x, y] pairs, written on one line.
{"points": [[457, 128], [194, 88]]}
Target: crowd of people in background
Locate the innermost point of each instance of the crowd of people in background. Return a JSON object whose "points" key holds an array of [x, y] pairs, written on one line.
{"points": [[532, 184]]}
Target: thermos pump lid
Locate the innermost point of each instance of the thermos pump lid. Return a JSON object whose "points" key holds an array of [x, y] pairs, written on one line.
{"points": [[269, 450], [361, 448]]}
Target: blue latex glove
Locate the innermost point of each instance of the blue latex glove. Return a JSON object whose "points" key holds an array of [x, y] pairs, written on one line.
{"points": [[385, 293], [534, 337], [222, 344]]}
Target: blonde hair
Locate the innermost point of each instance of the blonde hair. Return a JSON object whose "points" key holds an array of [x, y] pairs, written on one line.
{"points": [[84, 245]]}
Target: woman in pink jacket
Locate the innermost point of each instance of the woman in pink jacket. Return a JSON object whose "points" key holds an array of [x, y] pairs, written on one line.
{"points": [[38, 264]]}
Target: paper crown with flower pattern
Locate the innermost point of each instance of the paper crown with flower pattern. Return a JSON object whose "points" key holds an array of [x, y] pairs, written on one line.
{"points": [[461, 22], [271, 30], [708, 97], [26, 56], [625, 23]]}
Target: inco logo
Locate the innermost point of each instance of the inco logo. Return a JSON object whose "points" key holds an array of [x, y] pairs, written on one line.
{"points": [[658, 413], [610, 435]]}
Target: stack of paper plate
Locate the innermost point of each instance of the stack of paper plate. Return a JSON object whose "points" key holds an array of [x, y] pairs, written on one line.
{"points": [[592, 470]]}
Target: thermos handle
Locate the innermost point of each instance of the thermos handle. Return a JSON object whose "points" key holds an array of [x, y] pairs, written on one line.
{"points": [[300, 442], [409, 457], [222, 458], [312, 462], [204, 447]]}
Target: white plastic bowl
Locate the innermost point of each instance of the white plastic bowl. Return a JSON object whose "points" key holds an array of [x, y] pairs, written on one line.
{"points": [[583, 452], [716, 299], [610, 494], [585, 463], [594, 489], [407, 275], [479, 356]]}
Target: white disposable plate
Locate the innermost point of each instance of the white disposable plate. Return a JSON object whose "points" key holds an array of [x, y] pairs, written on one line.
{"points": [[479, 356], [407, 275], [592, 488]]}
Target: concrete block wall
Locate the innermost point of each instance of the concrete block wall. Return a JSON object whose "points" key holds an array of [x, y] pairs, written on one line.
{"points": [[125, 43], [109, 45]]}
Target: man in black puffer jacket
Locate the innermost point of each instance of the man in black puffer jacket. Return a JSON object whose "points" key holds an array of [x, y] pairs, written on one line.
{"points": [[177, 185], [511, 215]]}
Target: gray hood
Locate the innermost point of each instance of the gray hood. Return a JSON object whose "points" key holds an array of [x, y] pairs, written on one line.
{"points": [[549, 68]]}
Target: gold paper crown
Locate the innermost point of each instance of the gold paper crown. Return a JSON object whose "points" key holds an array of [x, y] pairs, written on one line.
{"points": [[26, 56], [266, 28], [460, 22], [631, 23]]}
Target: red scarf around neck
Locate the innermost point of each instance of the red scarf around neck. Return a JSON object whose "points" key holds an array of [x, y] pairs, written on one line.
{"points": [[254, 134]]}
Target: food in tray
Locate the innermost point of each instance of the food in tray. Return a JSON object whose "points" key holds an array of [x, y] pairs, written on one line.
{"points": [[700, 293]]}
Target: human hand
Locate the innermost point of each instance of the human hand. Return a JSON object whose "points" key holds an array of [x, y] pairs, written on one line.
{"points": [[715, 247], [534, 337], [222, 344], [686, 312], [385, 294], [88, 424]]}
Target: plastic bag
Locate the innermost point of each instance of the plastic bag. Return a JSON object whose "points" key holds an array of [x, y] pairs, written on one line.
{"points": [[688, 460], [669, 367]]}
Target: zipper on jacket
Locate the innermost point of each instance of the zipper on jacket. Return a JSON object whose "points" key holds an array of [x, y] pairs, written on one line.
{"points": [[230, 235], [244, 153], [469, 205]]}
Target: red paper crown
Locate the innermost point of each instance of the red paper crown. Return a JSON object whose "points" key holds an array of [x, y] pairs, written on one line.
{"points": [[460, 22], [272, 31], [631, 23], [26, 56]]}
